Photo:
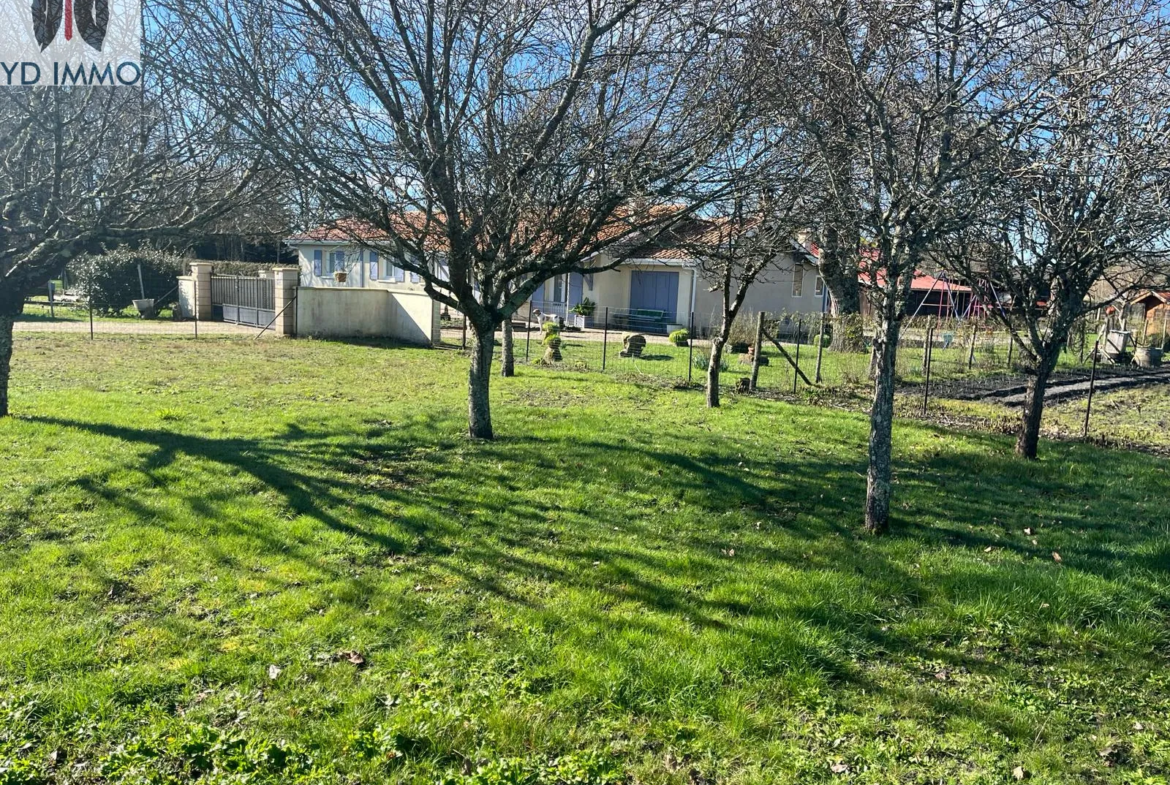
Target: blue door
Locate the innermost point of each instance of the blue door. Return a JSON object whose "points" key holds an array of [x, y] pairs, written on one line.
{"points": [[576, 288], [654, 291]]}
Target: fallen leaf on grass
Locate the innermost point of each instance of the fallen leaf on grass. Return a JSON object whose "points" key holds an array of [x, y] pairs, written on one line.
{"points": [[352, 657], [839, 768], [273, 672], [1056, 557], [1019, 773]]}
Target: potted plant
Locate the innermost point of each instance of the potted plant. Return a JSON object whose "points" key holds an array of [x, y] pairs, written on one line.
{"points": [[1146, 354], [585, 308]]}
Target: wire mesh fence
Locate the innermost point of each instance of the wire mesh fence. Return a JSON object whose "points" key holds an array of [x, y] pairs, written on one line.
{"points": [[71, 311], [973, 360]]}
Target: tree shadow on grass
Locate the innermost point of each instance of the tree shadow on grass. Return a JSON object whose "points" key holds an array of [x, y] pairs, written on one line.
{"points": [[668, 548]]}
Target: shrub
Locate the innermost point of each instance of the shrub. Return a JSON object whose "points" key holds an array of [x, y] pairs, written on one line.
{"points": [[110, 281], [550, 328], [702, 359], [680, 337], [552, 338], [743, 329]]}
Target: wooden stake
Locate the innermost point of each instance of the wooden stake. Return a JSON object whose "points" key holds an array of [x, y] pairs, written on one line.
{"points": [[756, 355], [820, 348], [1092, 385]]}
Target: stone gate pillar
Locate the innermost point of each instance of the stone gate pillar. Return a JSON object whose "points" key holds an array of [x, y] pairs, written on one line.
{"points": [[201, 273], [286, 280]]}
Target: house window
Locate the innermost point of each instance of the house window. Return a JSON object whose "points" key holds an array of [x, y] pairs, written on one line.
{"points": [[798, 282], [819, 291], [589, 281], [414, 277], [336, 261], [558, 289], [317, 262], [373, 265]]}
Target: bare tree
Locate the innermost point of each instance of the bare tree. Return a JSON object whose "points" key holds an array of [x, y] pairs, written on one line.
{"points": [[83, 168], [805, 90], [1080, 188], [752, 237], [514, 141], [923, 83]]}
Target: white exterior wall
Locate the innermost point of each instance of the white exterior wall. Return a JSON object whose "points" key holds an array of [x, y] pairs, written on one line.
{"points": [[345, 312], [414, 318], [772, 292], [187, 296], [356, 264]]}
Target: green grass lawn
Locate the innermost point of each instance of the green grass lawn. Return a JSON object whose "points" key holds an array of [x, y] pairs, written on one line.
{"points": [[280, 561]]}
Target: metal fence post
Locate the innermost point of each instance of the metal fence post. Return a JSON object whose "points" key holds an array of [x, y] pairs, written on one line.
{"points": [[464, 332], [971, 352], [1011, 347], [690, 347], [756, 353], [1092, 386], [925, 343], [528, 332], [604, 338], [928, 350]]}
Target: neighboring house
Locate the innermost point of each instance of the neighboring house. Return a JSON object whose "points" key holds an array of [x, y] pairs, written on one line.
{"points": [[325, 251], [655, 290], [932, 295], [1154, 309], [659, 286]]}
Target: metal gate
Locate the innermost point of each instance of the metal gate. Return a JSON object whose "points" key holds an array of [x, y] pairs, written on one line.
{"points": [[243, 300]]}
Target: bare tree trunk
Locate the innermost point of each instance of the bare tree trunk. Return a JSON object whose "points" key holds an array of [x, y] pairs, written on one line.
{"points": [[713, 372], [841, 279], [508, 360], [6, 321], [881, 427], [479, 412], [1028, 439]]}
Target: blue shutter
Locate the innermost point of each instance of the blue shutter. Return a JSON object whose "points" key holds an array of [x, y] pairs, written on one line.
{"points": [[399, 274], [414, 277], [317, 262]]}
